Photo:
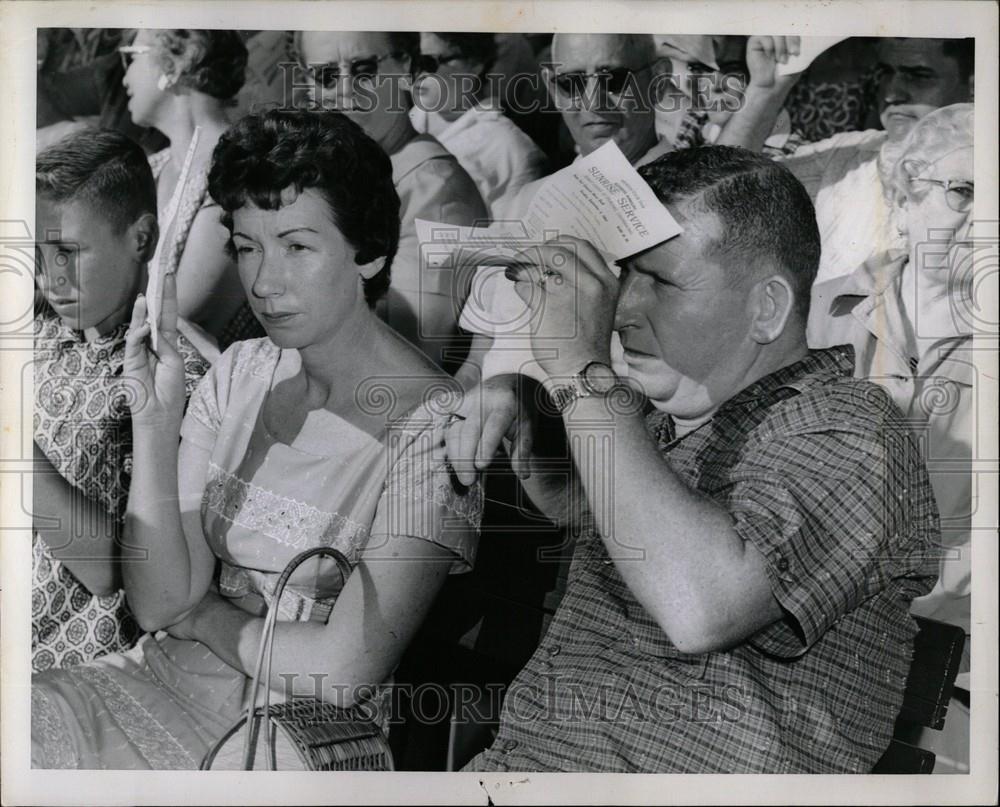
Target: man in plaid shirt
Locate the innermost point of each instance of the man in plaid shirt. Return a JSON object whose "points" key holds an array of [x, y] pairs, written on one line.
{"points": [[739, 594]]}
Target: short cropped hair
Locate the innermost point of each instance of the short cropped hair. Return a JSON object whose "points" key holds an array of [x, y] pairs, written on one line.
{"points": [[101, 167], [767, 217], [932, 137], [211, 62], [475, 47], [263, 154]]}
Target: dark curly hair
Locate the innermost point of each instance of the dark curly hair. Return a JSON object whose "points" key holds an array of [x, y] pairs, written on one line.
{"points": [[212, 62], [263, 154], [767, 215]]}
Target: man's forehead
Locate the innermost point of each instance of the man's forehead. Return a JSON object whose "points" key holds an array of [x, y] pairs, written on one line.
{"points": [[333, 45], [576, 52], [910, 52], [702, 229]]}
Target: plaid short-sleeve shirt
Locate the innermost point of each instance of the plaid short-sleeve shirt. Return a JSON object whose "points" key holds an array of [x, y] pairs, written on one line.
{"points": [[820, 473]]}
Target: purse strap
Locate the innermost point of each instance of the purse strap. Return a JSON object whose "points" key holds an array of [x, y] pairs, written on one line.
{"points": [[266, 651]]}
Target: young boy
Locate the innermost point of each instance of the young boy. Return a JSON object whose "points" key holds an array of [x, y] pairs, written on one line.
{"points": [[95, 231]]}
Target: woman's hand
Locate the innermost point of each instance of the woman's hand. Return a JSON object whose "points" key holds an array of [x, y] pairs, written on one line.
{"points": [[157, 378]]}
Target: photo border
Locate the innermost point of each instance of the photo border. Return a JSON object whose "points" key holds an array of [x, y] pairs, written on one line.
{"points": [[21, 785]]}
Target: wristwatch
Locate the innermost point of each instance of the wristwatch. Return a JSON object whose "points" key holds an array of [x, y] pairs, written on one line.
{"points": [[596, 378]]}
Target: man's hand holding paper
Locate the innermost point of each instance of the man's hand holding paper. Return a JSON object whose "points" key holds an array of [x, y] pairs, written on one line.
{"points": [[571, 294], [599, 199]]}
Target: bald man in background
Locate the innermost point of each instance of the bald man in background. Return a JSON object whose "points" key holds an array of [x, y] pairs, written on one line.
{"points": [[592, 111]]}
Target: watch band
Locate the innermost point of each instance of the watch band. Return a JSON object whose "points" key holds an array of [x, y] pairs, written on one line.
{"points": [[565, 394]]}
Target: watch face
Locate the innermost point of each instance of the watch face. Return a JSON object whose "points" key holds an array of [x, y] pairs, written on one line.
{"points": [[599, 378]]}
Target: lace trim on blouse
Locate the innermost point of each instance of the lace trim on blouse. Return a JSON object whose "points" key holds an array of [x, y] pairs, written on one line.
{"points": [[160, 748], [287, 521], [54, 738]]}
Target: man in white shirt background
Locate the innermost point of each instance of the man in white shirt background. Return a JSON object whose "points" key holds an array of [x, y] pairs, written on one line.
{"points": [[844, 174]]}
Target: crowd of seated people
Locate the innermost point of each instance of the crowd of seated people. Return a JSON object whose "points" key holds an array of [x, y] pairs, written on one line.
{"points": [[796, 382]]}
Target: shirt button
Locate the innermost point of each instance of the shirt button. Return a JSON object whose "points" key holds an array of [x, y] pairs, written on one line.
{"points": [[546, 664], [509, 746], [782, 564], [554, 650]]}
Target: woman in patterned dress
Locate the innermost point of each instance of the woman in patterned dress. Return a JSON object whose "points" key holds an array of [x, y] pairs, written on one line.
{"points": [[96, 206], [179, 81], [324, 433]]}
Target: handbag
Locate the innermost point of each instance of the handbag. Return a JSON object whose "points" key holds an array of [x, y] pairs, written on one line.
{"points": [[325, 737]]}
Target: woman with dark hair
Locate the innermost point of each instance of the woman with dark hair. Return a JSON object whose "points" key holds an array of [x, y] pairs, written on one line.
{"points": [[367, 75], [180, 81], [296, 440]]}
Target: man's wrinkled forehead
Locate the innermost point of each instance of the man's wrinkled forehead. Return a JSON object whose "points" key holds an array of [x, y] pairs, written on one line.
{"points": [[331, 46], [703, 235], [903, 52], [585, 52]]}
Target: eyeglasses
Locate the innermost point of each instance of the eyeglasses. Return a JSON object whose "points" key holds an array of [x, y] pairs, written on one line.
{"points": [[613, 80], [365, 69], [958, 193], [427, 63], [129, 52]]}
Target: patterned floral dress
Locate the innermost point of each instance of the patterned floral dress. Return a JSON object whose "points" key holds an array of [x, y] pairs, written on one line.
{"points": [[163, 704], [81, 423]]}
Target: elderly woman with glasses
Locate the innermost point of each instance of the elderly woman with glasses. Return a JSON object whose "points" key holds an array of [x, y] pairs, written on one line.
{"points": [[458, 100], [180, 81], [908, 315], [368, 75]]}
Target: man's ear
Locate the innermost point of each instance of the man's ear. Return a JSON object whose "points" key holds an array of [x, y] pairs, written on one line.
{"points": [[144, 234], [372, 268], [772, 300]]}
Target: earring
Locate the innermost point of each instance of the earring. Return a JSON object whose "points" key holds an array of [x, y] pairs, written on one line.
{"points": [[165, 81]]}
